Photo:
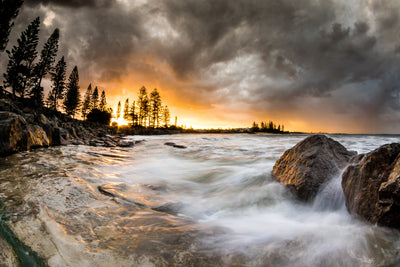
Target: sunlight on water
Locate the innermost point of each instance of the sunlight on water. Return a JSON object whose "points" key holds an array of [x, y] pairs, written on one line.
{"points": [[213, 203]]}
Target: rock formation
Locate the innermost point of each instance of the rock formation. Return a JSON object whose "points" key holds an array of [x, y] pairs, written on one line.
{"points": [[24, 129], [310, 163], [371, 186]]}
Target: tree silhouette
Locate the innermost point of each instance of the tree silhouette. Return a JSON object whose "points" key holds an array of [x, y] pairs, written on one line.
{"points": [[166, 116], [51, 101], [58, 76], [126, 115], [20, 65], [47, 58], [87, 102], [133, 114], [143, 103], [95, 98], [103, 102], [8, 11], [118, 109], [72, 100], [154, 108]]}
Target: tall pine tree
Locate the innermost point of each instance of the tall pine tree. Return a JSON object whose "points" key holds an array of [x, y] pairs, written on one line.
{"points": [[47, 58], [20, 65], [72, 99], [103, 102], [127, 114], [8, 11], [58, 76], [95, 98], [166, 116], [143, 103], [155, 108], [118, 109], [87, 102]]}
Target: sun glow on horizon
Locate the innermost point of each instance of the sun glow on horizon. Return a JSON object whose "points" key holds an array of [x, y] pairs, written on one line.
{"points": [[120, 121]]}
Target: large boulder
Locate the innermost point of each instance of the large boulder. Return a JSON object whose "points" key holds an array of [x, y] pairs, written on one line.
{"points": [[311, 163], [12, 135], [37, 137], [17, 135], [371, 186], [53, 134]]}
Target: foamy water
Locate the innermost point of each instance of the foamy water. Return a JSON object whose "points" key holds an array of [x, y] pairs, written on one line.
{"points": [[214, 203]]}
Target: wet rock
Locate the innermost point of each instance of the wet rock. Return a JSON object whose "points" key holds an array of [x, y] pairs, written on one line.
{"points": [[157, 187], [64, 134], [108, 143], [122, 143], [77, 142], [96, 142], [171, 207], [12, 136], [53, 134], [42, 119], [116, 192], [37, 137], [7, 255], [174, 145], [311, 163], [371, 186]]}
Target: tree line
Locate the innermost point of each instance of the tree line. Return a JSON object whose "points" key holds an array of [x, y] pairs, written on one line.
{"points": [[270, 127], [27, 68], [146, 111]]}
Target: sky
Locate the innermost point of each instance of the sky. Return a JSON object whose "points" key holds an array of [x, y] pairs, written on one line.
{"points": [[312, 65]]}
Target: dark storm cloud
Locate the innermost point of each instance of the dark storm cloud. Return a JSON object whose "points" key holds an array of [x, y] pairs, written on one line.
{"points": [[313, 44], [269, 55], [71, 3]]}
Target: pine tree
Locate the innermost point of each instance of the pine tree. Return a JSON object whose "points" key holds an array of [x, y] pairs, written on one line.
{"points": [[58, 76], [95, 98], [143, 103], [72, 99], [44, 66], [155, 107], [118, 109], [166, 116], [133, 114], [20, 65], [126, 110], [87, 105], [103, 101], [51, 101], [8, 11]]}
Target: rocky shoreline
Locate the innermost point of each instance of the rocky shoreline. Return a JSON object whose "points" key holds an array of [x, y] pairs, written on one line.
{"points": [[23, 129], [370, 182]]}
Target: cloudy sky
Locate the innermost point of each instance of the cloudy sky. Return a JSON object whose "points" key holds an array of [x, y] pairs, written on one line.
{"points": [[312, 65]]}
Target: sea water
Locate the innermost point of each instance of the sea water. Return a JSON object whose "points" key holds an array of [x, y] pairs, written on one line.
{"points": [[213, 203]]}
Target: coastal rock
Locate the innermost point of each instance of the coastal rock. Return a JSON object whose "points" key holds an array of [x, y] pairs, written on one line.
{"points": [[371, 186], [311, 163], [123, 143], [12, 136], [37, 137], [174, 145], [17, 135], [7, 255], [53, 134]]}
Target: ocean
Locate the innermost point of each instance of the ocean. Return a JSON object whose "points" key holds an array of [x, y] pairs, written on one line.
{"points": [[213, 203]]}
